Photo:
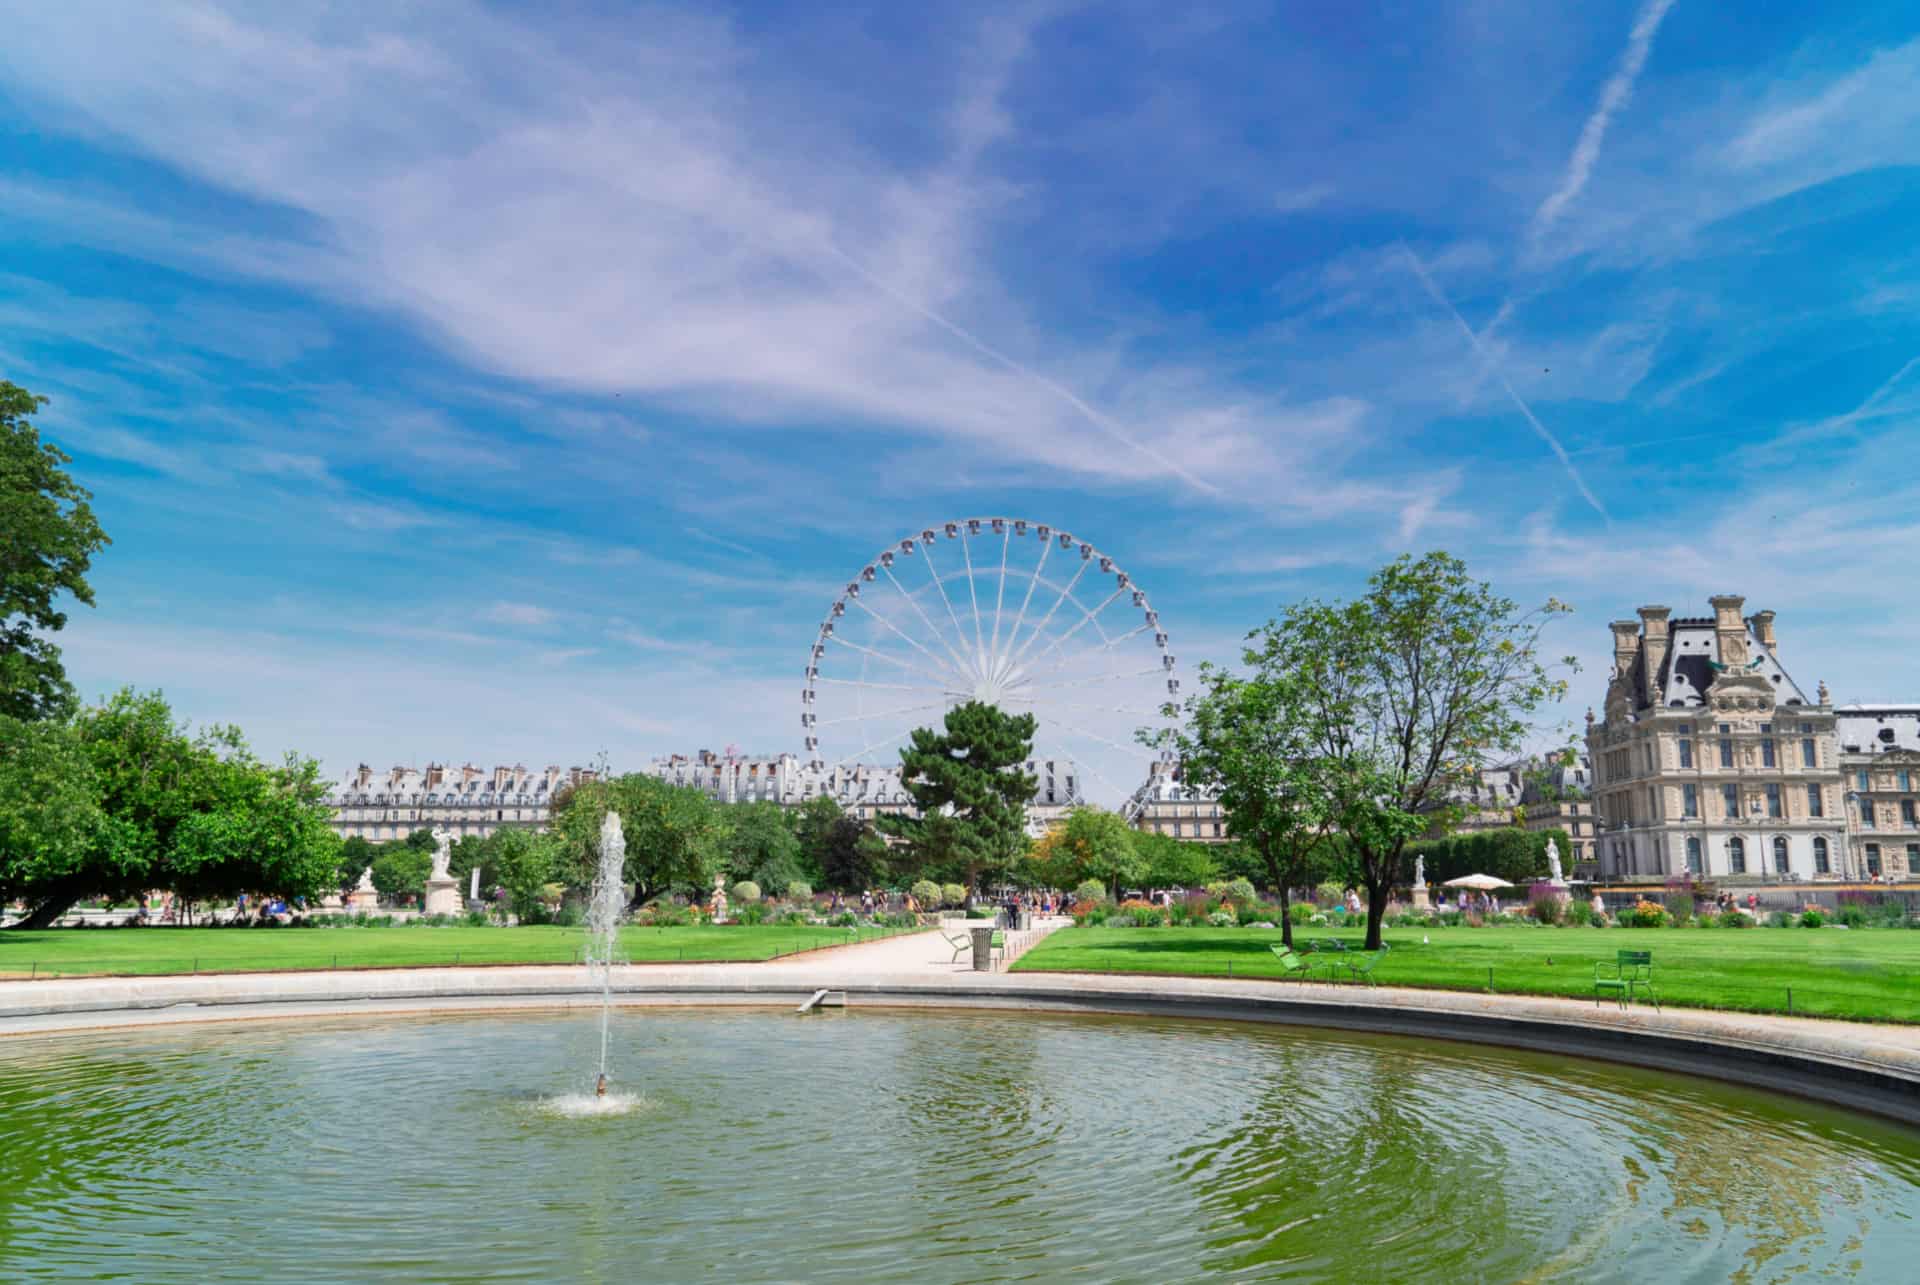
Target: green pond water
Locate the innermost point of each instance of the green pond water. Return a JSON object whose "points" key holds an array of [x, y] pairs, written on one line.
{"points": [[913, 1146]]}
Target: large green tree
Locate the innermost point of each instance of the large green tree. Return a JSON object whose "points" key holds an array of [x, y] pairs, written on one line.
{"points": [[1250, 741], [267, 831], [526, 861], [1172, 863], [48, 537], [1098, 844], [51, 825], [762, 845], [675, 834], [1410, 689], [971, 771]]}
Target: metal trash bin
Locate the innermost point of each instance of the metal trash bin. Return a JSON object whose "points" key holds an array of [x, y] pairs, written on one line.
{"points": [[982, 949]]}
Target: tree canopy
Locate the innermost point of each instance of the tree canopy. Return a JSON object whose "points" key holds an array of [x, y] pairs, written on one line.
{"points": [[675, 834], [48, 536], [971, 772]]}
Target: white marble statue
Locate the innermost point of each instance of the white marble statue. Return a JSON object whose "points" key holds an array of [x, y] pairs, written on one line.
{"points": [[1554, 874], [1420, 870], [366, 882], [442, 856], [719, 899]]}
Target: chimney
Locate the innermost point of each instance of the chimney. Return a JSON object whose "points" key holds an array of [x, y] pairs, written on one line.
{"points": [[1763, 625], [1626, 645], [1653, 652], [1729, 629]]}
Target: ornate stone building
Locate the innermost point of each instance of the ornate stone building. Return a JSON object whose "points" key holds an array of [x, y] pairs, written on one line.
{"points": [[1559, 796], [463, 801], [1165, 804], [866, 790], [1710, 758], [1880, 769]]}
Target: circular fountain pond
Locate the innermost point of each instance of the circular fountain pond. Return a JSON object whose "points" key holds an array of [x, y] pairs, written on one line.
{"points": [[923, 1146]]}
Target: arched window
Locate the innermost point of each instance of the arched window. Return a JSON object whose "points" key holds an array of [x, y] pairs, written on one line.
{"points": [[1737, 855], [1820, 863], [1693, 854], [1779, 854]]}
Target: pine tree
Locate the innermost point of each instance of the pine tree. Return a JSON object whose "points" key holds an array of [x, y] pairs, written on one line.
{"points": [[972, 775]]}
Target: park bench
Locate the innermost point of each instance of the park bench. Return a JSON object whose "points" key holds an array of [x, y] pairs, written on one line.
{"points": [[962, 942], [1632, 974]]}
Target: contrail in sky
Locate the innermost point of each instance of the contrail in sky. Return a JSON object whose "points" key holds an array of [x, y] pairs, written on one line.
{"points": [[1104, 422], [1420, 270]]}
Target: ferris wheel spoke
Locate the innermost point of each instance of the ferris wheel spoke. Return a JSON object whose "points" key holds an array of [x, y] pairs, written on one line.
{"points": [[868, 749], [1033, 582], [880, 713], [941, 678], [914, 602], [1046, 619], [1095, 736], [999, 599], [891, 687], [1091, 709], [926, 551], [1085, 619], [1105, 678], [1067, 662], [973, 596], [910, 640]]}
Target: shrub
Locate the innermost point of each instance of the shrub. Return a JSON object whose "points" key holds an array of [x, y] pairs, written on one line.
{"points": [[1329, 893], [1578, 912], [952, 894], [1779, 919], [754, 912], [1548, 909], [927, 893], [567, 917], [745, 890], [1811, 918], [1253, 912], [664, 914], [975, 912], [800, 892], [1852, 917], [1090, 890], [845, 919], [1088, 914], [1143, 914], [1180, 914], [1735, 919], [1644, 914], [1299, 912], [474, 919], [1221, 919], [1241, 891]]}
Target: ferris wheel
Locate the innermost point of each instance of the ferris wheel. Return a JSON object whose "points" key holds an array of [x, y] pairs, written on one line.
{"points": [[1002, 610]]}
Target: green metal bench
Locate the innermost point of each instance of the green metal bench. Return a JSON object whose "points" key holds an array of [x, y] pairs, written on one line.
{"points": [[1632, 975]]}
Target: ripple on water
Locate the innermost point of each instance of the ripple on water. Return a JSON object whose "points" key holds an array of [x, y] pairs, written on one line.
{"points": [[932, 1147]]}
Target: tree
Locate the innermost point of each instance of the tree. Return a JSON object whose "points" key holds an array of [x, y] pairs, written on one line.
{"points": [[1099, 844], [401, 870], [812, 822], [356, 854], [526, 862], [972, 771], [675, 834], [268, 832], [1170, 863], [48, 537], [1408, 690], [1250, 740], [51, 824], [470, 852], [762, 846], [852, 856]]}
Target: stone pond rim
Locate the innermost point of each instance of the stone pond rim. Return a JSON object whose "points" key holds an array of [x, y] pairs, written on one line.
{"points": [[1875, 1069]]}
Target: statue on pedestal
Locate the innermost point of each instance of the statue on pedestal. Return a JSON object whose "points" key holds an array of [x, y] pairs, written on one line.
{"points": [[442, 855], [364, 894], [1554, 874], [1421, 899], [719, 899], [443, 890]]}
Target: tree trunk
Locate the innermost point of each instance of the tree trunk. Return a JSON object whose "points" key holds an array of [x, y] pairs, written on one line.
{"points": [[1376, 911], [43, 915], [1286, 916]]}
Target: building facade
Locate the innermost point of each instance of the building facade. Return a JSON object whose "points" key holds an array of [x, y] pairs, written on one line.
{"points": [[1558, 795], [463, 801], [1710, 759], [1165, 804], [865, 790], [1880, 770]]}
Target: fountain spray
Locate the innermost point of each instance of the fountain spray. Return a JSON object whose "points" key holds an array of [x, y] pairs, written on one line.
{"points": [[604, 908]]}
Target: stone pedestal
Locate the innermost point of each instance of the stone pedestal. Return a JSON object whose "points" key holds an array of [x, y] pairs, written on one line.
{"points": [[1421, 901], [443, 897], [363, 899], [331, 901]]}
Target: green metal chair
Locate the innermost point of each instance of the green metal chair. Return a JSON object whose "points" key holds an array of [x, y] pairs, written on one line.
{"points": [[961, 943], [1631, 975], [1362, 969], [1292, 965]]}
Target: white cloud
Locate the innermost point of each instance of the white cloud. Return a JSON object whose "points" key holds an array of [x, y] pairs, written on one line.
{"points": [[517, 613]]}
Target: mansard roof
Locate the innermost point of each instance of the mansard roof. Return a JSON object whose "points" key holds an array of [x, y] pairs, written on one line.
{"points": [[1691, 666]]}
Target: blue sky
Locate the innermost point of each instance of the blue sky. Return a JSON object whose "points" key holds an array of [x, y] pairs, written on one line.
{"points": [[468, 383]]}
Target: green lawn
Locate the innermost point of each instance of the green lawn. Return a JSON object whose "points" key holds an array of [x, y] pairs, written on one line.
{"points": [[1871, 973], [73, 951]]}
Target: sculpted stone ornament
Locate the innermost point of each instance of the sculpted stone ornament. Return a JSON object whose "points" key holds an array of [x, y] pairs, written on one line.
{"points": [[1554, 873], [443, 890], [442, 855], [719, 899]]}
